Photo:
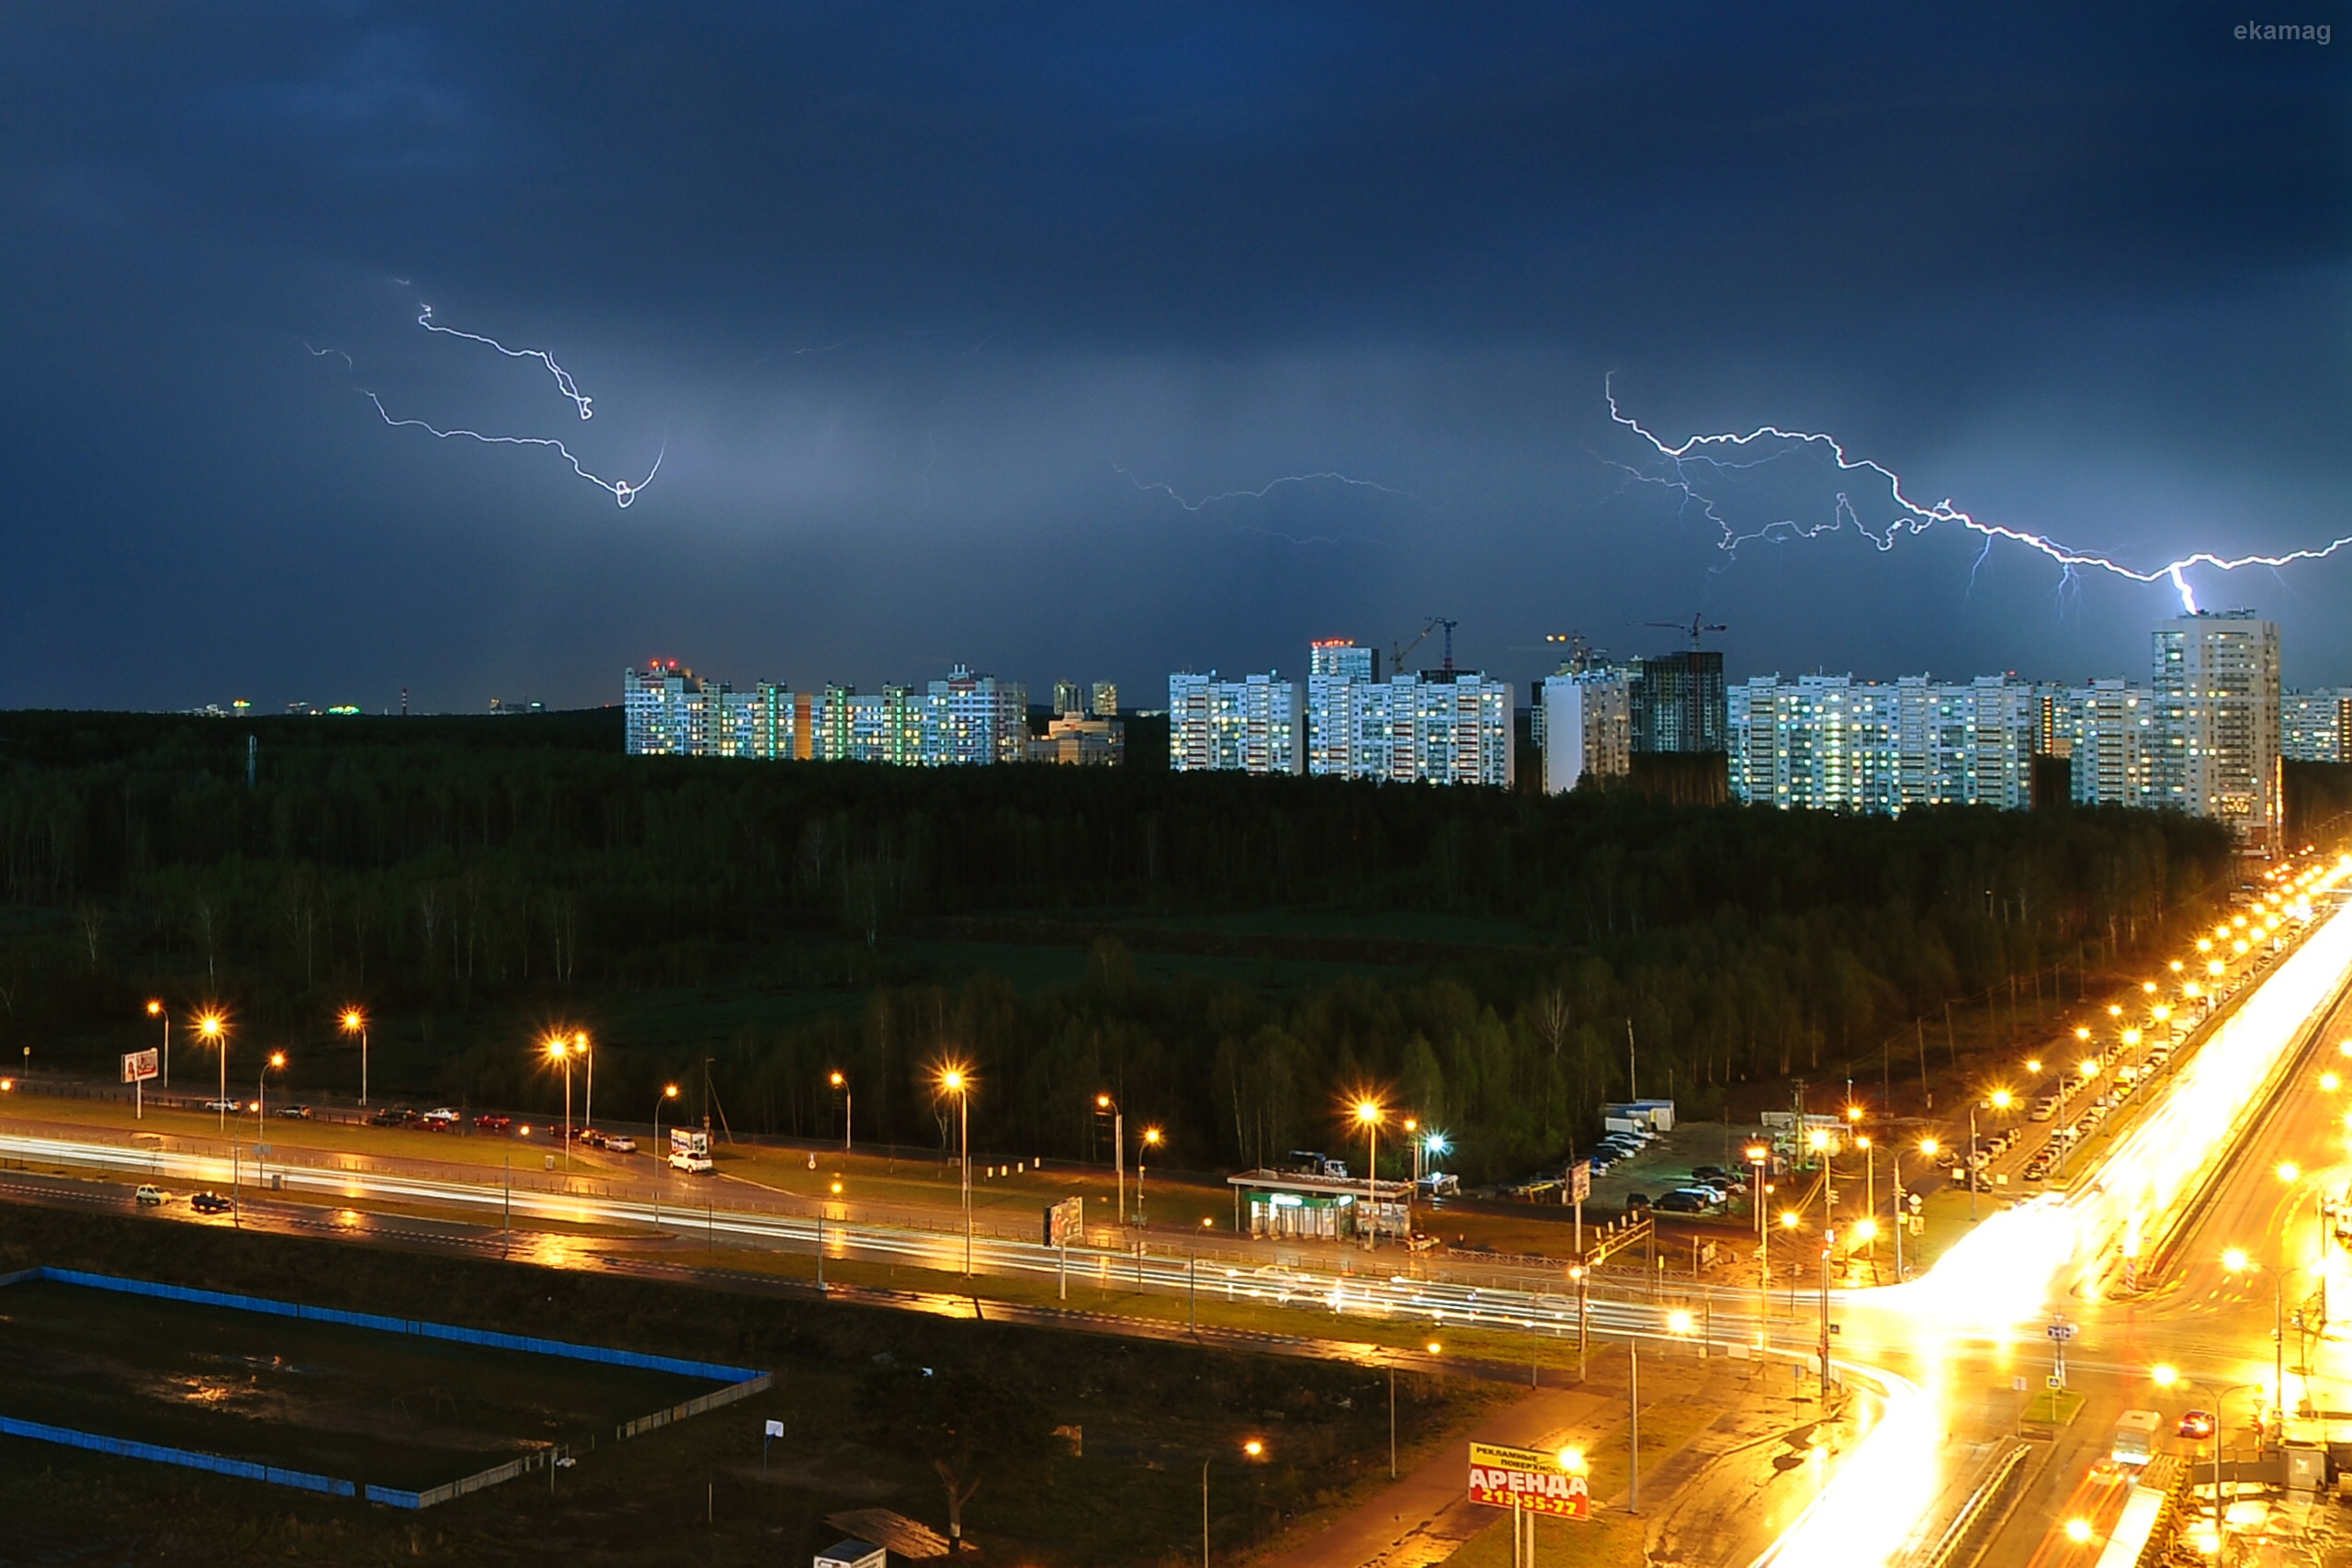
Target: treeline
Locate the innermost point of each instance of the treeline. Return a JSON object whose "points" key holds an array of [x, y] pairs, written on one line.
{"points": [[483, 866]]}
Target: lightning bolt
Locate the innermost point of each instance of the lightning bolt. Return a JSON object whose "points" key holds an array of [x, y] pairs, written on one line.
{"points": [[1690, 460], [1325, 477], [562, 376], [621, 490]]}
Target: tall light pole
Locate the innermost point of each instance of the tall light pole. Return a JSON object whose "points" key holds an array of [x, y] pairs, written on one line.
{"points": [[954, 1081], [1252, 1450], [1105, 1106], [2166, 1377], [2236, 1262], [849, 1109], [588, 1110], [559, 1051], [669, 1094], [1368, 1115], [260, 1086], [1828, 1246], [212, 1029], [356, 1023], [157, 1009], [1151, 1139], [1818, 1141]]}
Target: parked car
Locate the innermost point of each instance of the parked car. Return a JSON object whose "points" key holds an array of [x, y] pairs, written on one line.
{"points": [[439, 1121], [1682, 1201], [229, 1105], [391, 1116], [491, 1121], [149, 1193], [212, 1204], [295, 1112], [1637, 1200]]}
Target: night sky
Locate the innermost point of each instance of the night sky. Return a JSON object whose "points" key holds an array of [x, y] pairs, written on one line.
{"points": [[963, 333]]}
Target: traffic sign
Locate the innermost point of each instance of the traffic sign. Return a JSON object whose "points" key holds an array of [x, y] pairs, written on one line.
{"points": [[2062, 1332]]}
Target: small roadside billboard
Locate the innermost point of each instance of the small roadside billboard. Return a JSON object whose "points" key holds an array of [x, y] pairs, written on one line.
{"points": [[1503, 1477]]}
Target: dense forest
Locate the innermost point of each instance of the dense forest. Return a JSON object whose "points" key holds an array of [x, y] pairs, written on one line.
{"points": [[487, 872]]}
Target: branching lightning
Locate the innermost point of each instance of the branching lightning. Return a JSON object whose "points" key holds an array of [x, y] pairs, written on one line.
{"points": [[621, 490], [562, 376], [1691, 461], [1325, 477]]}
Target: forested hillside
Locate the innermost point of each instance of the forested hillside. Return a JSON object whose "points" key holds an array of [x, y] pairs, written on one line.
{"points": [[489, 872]]}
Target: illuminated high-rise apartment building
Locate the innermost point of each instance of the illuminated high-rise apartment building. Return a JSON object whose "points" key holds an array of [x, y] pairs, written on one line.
{"points": [[2216, 680]]}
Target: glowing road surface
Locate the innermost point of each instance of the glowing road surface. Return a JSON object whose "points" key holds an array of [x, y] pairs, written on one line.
{"points": [[1905, 1345], [2007, 1274]]}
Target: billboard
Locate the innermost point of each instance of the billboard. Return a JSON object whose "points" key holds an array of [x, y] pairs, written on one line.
{"points": [[1580, 1182], [138, 1066], [1502, 1477], [1066, 1223]]}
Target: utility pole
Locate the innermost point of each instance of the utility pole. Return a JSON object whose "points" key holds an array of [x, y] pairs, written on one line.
{"points": [[1828, 1246], [1632, 1091]]}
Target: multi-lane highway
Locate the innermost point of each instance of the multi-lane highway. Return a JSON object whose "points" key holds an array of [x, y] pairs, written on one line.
{"points": [[2126, 1253]]}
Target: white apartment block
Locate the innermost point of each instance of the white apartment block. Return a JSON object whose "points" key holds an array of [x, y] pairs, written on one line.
{"points": [[2316, 726], [1828, 743], [2216, 680], [967, 718], [1438, 727], [869, 726], [2108, 732], [1584, 723], [1252, 725]]}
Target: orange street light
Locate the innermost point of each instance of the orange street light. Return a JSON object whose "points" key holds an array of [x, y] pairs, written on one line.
{"points": [[356, 1023], [213, 1028]]}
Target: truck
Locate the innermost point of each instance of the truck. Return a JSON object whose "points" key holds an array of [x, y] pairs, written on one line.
{"points": [[2135, 1437], [690, 1150]]}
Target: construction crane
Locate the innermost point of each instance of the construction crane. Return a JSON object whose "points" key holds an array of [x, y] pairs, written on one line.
{"points": [[1698, 625], [1397, 655]]}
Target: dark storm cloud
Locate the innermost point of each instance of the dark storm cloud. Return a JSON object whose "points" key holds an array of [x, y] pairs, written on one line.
{"points": [[910, 293]]}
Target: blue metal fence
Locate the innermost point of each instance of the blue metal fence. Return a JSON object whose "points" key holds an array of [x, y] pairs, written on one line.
{"points": [[743, 1381], [420, 1328], [123, 1448]]}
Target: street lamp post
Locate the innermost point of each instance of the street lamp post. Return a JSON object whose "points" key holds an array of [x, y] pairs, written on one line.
{"points": [[1252, 1450], [212, 1029], [1105, 1106], [2236, 1262], [588, 1106], [261, 1085], [1828, 1246], [157, 1009], [1368, 1116], [2166, 1377], [849, 1110], [356, 1023], [1151, 1139], [668, 1092], [954, 1081], [559, 1050]]}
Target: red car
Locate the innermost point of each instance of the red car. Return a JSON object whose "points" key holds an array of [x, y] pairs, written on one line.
{"points": [[491, 1121], [2196, 1423]]}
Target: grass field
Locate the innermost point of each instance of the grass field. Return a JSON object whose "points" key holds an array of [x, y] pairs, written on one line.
{"points": [[348, 1403], [696, 1493]]}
